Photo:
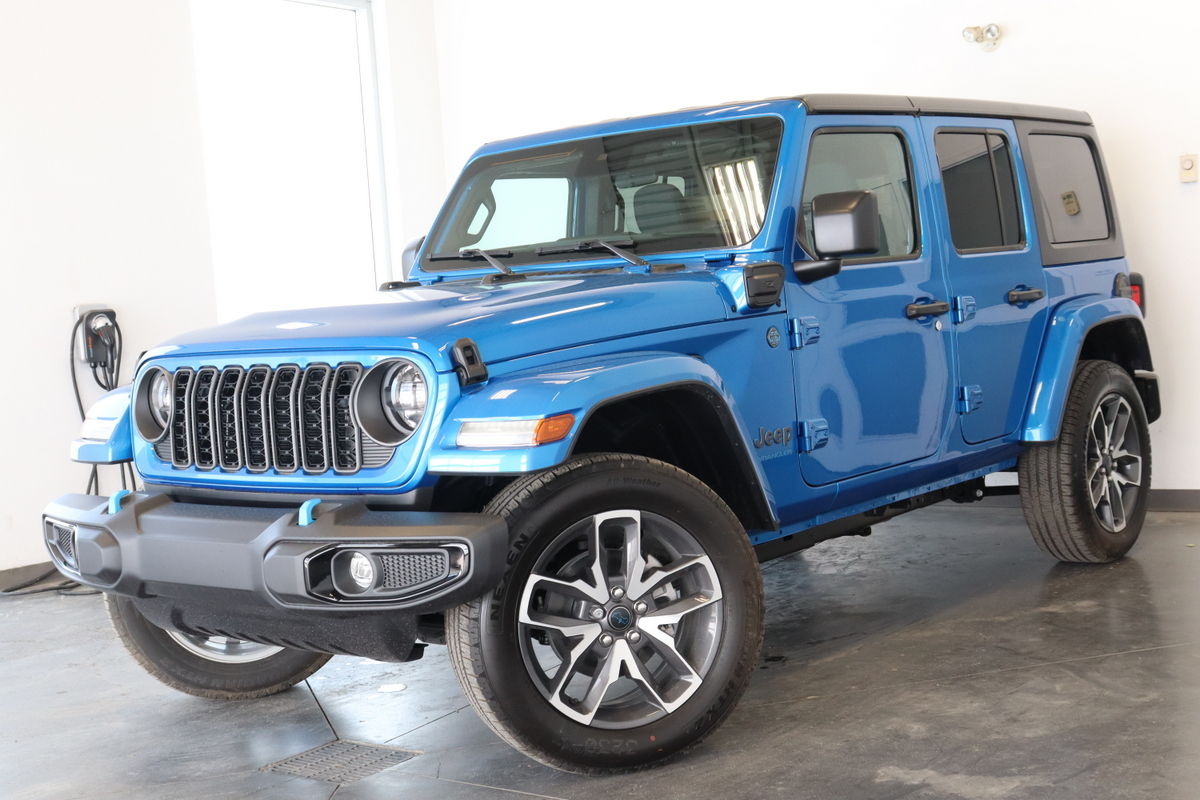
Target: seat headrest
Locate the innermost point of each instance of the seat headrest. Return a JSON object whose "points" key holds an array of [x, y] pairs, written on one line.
{"points": [[659, 208]]}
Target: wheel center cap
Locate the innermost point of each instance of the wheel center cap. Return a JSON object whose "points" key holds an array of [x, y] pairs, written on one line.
{"points": [[620, 618], [1108, 462]]}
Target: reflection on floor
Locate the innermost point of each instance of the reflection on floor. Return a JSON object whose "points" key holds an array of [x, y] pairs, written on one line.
{"points": [[943, 657]]}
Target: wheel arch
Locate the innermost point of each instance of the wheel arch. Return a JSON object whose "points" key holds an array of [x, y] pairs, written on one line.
{"points": [[1093, 327], [687, 424], [625, 404]]}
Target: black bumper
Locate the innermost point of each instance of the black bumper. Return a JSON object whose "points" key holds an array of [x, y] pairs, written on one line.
{"points": [[257, 573]]}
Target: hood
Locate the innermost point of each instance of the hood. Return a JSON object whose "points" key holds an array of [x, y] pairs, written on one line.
{"points": [[505, 320]]}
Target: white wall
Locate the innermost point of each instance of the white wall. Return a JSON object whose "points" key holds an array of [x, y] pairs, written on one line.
{"points": [[102, 193], [517, 67], [101, 200]]}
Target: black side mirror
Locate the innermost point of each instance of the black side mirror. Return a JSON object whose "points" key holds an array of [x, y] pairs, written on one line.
{"points": [[844, 224], [408, 256]]}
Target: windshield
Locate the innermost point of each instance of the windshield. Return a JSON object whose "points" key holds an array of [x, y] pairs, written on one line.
{"points": [[685, 188]]}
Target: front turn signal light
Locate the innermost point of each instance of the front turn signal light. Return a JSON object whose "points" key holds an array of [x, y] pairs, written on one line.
{"points": [[553, 429]]}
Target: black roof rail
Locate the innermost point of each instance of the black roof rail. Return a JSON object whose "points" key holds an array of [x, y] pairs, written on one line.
{"points": [[924, 106]]}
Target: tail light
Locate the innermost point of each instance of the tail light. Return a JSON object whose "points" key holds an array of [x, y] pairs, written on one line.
{"points": [[1132, 286], [1137, 286]]}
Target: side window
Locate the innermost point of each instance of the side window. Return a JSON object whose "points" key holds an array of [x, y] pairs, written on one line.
{"points": [[526, 210], [1069, 185], [874, 161], [980, 188]]}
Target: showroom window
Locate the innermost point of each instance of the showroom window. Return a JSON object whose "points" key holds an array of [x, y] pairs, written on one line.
{"points": [[981, 191], [876, 162], [290, 120], [1069, 185]]}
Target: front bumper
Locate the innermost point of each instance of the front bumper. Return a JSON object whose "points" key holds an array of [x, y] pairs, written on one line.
{"points": [[257, 573]]}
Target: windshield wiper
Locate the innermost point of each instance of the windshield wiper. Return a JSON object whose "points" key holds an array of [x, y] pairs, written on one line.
{"points": [[490, 256], [598, 244]]}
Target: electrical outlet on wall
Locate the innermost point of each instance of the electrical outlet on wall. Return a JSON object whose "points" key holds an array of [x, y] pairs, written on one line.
{"points": [[93, 347], [1188, 168]]}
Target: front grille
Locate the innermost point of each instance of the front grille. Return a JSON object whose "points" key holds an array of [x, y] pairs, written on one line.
{"points": [[286, 419]]}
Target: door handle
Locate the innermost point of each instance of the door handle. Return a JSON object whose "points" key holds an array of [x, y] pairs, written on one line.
{"points": [[934, 308], [1019, 295]]}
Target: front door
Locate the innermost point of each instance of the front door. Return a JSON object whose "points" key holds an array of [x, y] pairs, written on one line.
{"points": [[872, 385], [995, 274]]}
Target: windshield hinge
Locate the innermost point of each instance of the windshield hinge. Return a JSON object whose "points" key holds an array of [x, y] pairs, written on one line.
{"points": [[468, 363]]}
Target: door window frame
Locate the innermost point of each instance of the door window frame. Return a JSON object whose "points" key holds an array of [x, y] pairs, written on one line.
{"points": [[914, 204], [1023, 243]]}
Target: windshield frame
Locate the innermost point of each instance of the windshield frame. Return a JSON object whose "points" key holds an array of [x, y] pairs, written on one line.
{"points": [[433, 263]]}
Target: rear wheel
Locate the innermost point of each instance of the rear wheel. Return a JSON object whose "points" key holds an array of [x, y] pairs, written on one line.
{"points": [[209, 666], [628, 625], [1084, 496]]}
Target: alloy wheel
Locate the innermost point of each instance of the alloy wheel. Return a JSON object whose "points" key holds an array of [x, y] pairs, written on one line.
{"points": [[1114, 462], [620, 619], [224, 649]]}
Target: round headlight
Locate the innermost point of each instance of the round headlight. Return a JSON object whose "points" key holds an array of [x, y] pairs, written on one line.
{"points": [[152, 404], [390, 401], [159, 397], [405, 396]]}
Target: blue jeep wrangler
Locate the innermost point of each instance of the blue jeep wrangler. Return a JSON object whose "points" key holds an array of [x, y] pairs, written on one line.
{"points": [[631, 361]]}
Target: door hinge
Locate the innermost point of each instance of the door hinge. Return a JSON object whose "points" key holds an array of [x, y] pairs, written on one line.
{"points": [[814, 434], [964, 308], [969, 398], [804, 331]]}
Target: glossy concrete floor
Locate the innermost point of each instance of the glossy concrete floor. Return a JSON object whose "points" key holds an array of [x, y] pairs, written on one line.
{"points": [[943, 657]]}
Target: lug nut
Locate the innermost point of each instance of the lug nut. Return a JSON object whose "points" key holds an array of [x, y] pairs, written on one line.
{"points": [[606, 640], [597, 613], [639, 607], [618, 592], [634, 636]]}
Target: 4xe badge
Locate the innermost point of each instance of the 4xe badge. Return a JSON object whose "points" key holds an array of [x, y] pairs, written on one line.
{"points": [[769, 438]]}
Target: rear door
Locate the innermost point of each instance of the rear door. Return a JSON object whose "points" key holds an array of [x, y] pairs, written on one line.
{"points": [[994, 270]]}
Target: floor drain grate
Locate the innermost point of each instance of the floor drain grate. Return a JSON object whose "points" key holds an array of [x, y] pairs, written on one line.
{"points": [[341, 761]]}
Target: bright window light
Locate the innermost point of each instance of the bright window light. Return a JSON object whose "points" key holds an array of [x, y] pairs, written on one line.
{"points": [[737, 190]]}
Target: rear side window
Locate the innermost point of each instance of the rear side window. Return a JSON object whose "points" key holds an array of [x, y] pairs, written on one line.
{"points": [[1069, 185], [875, 161], [981, 190]]}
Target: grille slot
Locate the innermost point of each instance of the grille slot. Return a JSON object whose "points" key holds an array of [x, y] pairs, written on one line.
{"points": [[260, 419], [254, 419], [201, 412], [314, 418], [283, 418], [344, 433], [229, 421], [181, 438]]}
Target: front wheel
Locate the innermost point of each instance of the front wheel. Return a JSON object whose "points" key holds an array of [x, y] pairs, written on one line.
{"points": [[209, 666], [628, 624], [1085, 495]]}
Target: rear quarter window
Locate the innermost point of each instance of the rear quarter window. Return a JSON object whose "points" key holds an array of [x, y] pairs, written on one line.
{"points": [[1069, 184]]}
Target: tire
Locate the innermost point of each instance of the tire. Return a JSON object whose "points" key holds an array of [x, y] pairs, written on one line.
{"points": [[238, 671], [693, 549], [1084, 497]]}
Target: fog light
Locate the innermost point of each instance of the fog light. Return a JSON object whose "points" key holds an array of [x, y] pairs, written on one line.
{"points": [[353, 572], [362, 571]]}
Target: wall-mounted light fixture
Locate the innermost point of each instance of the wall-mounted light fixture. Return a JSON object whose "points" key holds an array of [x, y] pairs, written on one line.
{"points": [[987, 36]]}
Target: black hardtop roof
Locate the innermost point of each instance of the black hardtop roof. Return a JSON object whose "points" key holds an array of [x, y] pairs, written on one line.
{"points": [[924, 106]]}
